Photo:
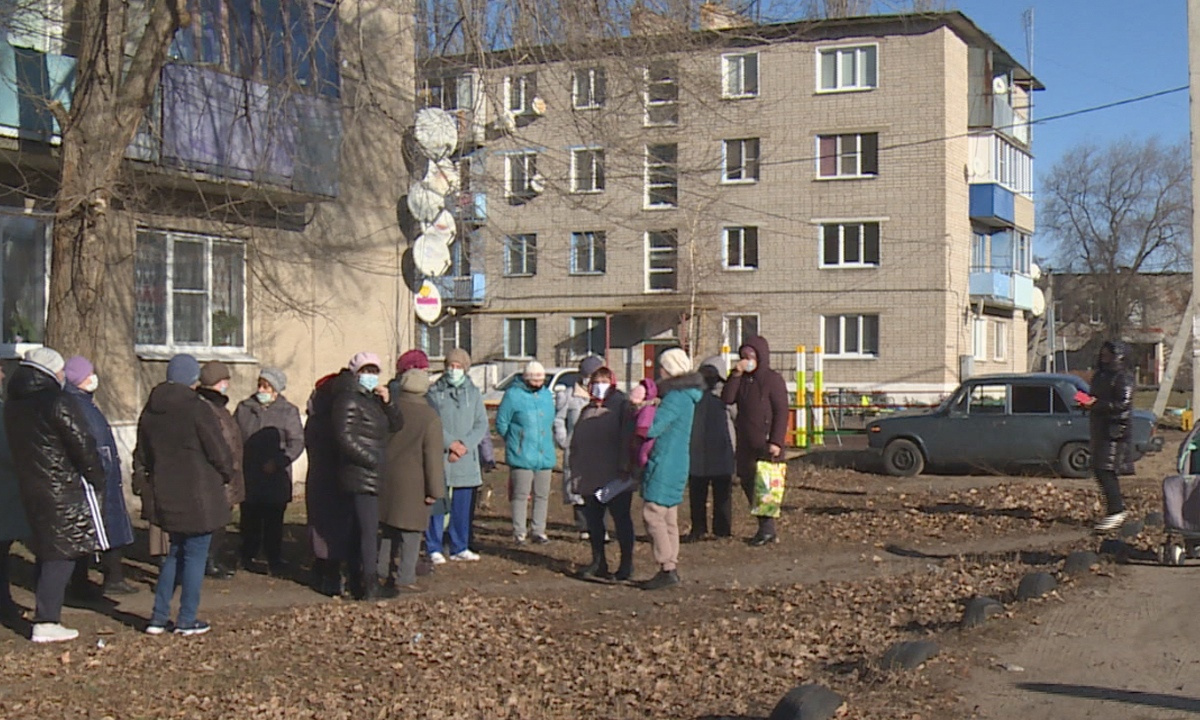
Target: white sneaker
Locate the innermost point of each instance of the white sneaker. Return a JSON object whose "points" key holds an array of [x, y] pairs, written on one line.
{"points": [[465, 556], [437, 558], [52, 632], [1111, 522]]}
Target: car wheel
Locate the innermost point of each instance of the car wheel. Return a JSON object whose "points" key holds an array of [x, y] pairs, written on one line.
{"points": [[1075, 460], [903, 458]]}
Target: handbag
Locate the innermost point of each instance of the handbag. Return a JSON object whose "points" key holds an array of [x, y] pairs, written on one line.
{"points": [[769, 482], [613, 488]]}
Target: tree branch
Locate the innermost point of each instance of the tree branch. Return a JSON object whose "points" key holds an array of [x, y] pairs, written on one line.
{"points": [[136, 90]]}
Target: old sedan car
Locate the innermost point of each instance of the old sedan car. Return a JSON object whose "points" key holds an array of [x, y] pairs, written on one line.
{"points": [[996, 422]]}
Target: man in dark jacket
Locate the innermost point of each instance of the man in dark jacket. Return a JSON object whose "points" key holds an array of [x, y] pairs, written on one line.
{"points": [[185, 467], [51, 449], [760, 395], [214, 390], [328, 509], [712, 458], [1111, 407]]}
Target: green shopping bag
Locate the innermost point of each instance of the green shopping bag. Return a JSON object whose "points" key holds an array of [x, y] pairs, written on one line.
{"points": [[769, 482]]}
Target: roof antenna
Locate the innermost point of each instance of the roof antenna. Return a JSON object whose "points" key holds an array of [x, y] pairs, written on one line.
{"points": [[1027, 24]]}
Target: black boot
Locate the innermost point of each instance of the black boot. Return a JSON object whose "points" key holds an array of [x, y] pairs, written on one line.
{"points": [[664, 579], [216, 571], [330, 580]]}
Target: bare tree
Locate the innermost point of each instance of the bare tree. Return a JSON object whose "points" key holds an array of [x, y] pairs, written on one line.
{"points": [[1118, 211]]}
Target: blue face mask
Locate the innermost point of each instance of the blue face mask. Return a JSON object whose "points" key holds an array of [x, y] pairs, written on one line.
{"points": [[264, 398], [369, 382], [456, 376]]}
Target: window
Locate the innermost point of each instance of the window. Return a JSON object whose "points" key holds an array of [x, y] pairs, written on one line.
{"points": [[987, 400], [740, 161], [979, 252], [521, 90], [979, 334], [587, 253], [520, 338], [739, 75], [449, 333], [848, 68], [850, 245], [848, 156], [662, 94], [1095, 314], [1023, 263], [1013, 166], [999, 340], [662, 258], [521, 179], [190, 290], [738, 328], [590, 89], [588, 336], [662, 176], [851, 335], [33, 25], [741, 248], [1037, 400], [520, 255], [25, 254], [587, 170]]}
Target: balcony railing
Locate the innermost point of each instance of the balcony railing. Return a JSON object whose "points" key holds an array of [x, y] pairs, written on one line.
{"points": [[993, 204], [461, 290], [1002, 287], [472, 207]]}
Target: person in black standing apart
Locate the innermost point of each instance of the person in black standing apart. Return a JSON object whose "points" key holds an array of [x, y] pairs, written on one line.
{"points": [[760, 395], [712, 458], [1111, 407]]}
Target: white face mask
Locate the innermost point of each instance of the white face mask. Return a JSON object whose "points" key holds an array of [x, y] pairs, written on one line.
{"points": [[600, 390], [90, 384]]}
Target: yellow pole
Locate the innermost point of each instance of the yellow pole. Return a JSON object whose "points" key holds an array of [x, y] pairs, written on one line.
{"points": [[818, 396], [801, 397]]}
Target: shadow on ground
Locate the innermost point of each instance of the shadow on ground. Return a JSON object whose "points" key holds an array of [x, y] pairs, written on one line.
{"points": [[1130, 697]]}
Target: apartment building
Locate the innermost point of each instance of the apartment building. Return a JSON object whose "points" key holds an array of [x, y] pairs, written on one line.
{"points": [[861, 184]]}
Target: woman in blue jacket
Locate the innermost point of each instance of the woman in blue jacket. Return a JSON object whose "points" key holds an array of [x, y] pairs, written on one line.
{"points": [[526, 422]]}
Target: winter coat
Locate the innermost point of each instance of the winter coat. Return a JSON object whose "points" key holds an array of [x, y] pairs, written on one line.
{"points": [[761, 398], [362, 422], [13, 525], [643, 417], [271, 434], [667, 472], [52, 448], [526, 422], [568, 404], [464, 420], [235, 491], [712, 439], [329, 510], [182, 462], [1112, 386], [598, 444], [415, 467], [112, 510]]}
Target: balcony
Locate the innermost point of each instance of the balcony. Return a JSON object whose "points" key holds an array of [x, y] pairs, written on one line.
{"points": [[466, 290], [1003, 288], [29, 81], [992, 204], [472, 207]]}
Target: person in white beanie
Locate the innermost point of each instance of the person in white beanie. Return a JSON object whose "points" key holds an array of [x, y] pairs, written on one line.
{"points": [[525, 420]]}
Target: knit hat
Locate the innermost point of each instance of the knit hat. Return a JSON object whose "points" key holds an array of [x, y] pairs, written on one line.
{"points": [[363, 359], [415, 381], [78, 369], [183, 369], [675, 362], [534, 369], [590, 365], [413, 359], [275, 376], [213, 372], [45, 358], [460, 356]]}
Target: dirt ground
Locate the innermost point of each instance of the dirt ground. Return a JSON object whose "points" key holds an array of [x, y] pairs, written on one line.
{"points": [[864, 561]]}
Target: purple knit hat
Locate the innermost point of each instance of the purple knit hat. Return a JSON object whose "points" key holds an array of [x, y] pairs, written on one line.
{"points": [[78, 369]]}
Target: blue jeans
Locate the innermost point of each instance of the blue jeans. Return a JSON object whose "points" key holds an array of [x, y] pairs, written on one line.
{"points": [[184, 562], [460, 524]]}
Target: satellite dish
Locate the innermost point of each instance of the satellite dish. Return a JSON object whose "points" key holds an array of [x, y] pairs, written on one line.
{"points": [[999, 85], [424, 203], [442, 177], [443, 225], [427, 303], [431, 256], [1035, 271], [537, 183], [1039, 302], [538, 106], [507, 122], [436, 133], [979, 168]]}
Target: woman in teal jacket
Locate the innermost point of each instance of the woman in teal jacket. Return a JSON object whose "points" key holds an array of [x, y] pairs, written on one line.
{"points": [[526, 422], [666, 473]]}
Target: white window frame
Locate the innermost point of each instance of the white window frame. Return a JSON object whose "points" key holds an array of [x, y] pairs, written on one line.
{"points": [[592, 322], [653, 271], [979, 339], [592, 254], [591, 73], [731, 320], [743, 170], [999, 340], [823, 262], [596, 183], [842, 318], [840, 151], [524, 156], [647, 103], [1023, 247], [517, 86], [646, 204], [525, 253], [726, 260], [524, 353], [425, 334], [733, 71], [859, 83], [171, 347], [14, 348]]}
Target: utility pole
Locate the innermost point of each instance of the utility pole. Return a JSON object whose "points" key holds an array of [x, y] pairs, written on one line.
{"points": [[1051, 322], [1193, 23]]}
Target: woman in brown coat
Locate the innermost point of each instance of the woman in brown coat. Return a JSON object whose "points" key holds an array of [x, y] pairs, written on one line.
{"points": [[413, 475], [214, 390]]}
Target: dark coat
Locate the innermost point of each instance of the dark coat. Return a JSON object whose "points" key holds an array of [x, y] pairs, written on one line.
{"points": [[1112, 386], [183, 462], [329, 510], [271, 435], [414, 469], [712, 445], [113, 510], [361, 425], [13, 525], [235, 491], [761, 398], [599, 437], [51, 449]]}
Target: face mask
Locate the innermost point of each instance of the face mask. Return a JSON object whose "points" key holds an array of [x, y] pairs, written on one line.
{"points": [[751, 365], [599, 390], [91, 384], [456, 376], [369, 382], [223, 388], [264, 398]]}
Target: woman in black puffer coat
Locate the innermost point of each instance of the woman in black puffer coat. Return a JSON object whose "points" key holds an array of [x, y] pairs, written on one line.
{"points": [[1111, 408]]}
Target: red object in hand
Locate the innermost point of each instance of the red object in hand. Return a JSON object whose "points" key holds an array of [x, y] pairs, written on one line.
{"points": [[1083, 398]]}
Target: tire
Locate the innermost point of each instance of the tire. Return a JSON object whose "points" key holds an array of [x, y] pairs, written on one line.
{"points": [[1075, 460], [902, 458]]}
